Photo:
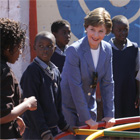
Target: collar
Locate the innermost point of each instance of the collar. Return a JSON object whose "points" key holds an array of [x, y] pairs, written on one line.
{"points": [[59, 51], [44, 65], [128, 44]]}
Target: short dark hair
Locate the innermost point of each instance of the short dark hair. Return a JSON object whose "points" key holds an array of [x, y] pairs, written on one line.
{"points": [[119, 19], [11, 35], [58, 24], [44, 34]]}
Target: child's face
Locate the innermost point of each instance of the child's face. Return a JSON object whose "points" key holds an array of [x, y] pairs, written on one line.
{"points": [[44, 48], [63, 36], [120, 31], [12, 56], [95, 35]]}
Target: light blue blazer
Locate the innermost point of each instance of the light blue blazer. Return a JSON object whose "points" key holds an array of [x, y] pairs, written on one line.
{"points": [[77, 95]]}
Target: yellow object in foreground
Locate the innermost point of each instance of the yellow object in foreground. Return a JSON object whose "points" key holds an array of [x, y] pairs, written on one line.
{"points": [[116, 128], [85, 131]]}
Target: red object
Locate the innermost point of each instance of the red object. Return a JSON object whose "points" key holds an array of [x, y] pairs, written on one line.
{"points": [[102, 124], [32, 26]]}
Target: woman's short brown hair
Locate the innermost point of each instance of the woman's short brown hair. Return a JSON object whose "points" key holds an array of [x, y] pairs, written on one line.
{"points": [[98, 17]]}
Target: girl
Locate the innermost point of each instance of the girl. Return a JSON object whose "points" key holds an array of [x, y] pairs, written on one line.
{"points": [[12, 42]]}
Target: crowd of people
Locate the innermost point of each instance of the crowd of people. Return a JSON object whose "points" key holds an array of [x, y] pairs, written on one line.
{"points": [[59, 86]]}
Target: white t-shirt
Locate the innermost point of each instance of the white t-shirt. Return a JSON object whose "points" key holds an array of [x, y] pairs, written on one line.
{"points": [[95, 56]]}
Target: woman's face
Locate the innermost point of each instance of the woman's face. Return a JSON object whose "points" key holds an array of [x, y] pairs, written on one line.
{"points": [[95, 35]]}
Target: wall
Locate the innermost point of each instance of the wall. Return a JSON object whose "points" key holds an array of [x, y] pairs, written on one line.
{"points": [[75, 10], [19, 11]]}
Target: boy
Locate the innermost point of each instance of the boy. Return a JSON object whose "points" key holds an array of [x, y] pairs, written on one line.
{"points": [[125, 67], [61, 30], [42, 79]]}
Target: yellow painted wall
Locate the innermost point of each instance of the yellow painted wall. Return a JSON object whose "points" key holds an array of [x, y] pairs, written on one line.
{"points": [[47, 13]]}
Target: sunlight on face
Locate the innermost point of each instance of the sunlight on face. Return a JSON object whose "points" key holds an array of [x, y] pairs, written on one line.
{"points": [[95, 35]]}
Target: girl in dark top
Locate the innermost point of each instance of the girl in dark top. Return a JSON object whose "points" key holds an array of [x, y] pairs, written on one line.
{"points": [[61, 30], [42, 80], [125, 68], [12, 41]]}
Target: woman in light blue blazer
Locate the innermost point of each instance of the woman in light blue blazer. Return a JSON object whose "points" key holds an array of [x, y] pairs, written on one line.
{"points": [[88, 61]]}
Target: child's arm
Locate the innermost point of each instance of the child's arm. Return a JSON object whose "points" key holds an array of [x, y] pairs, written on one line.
{"points": [[21, 125], [29, 104], [48, 136], [138, 94]]}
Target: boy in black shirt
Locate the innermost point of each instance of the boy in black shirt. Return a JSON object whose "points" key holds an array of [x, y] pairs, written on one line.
{"points": [[61, 30]]}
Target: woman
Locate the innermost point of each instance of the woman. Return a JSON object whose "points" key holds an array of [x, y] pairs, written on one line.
{"points": [[88, 61]]}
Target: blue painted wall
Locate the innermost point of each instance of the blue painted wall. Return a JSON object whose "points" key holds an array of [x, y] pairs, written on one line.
{"points": [[72, 11]]}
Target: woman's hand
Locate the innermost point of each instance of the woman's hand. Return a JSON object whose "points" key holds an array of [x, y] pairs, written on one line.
{"points": [[109, 121], [21, 125], [92, 124]]}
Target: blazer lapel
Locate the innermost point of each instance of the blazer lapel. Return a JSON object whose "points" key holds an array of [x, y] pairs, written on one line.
{"points": [[102, 57], [87, 55]]}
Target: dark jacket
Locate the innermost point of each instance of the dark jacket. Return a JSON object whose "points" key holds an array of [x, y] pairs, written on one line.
{"points": [[9, 97], [58, 60], [35, 82]]}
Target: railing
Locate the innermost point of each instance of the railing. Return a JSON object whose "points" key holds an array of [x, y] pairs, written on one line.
{"points": [[84, 130]]}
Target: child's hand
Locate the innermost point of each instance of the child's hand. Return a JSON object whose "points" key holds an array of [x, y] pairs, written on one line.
{"points": [[137, 103], [48, 136], [31, 102], [71, 129], [21, 125], [92, 124]]}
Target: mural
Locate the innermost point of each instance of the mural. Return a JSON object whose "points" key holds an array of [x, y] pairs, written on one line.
{"points": [[75, 10]]}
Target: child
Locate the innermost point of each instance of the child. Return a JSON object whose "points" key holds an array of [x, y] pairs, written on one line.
{"points": [[88, 61], [42, 79], [125, 67], [61, 30], [11, 43]]}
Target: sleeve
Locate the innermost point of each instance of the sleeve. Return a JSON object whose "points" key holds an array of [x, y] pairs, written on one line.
{"points": [[30, 84], [75, 83], [62, 124], [138, 75], [7, 92], [107, 87], [138, 60]]}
